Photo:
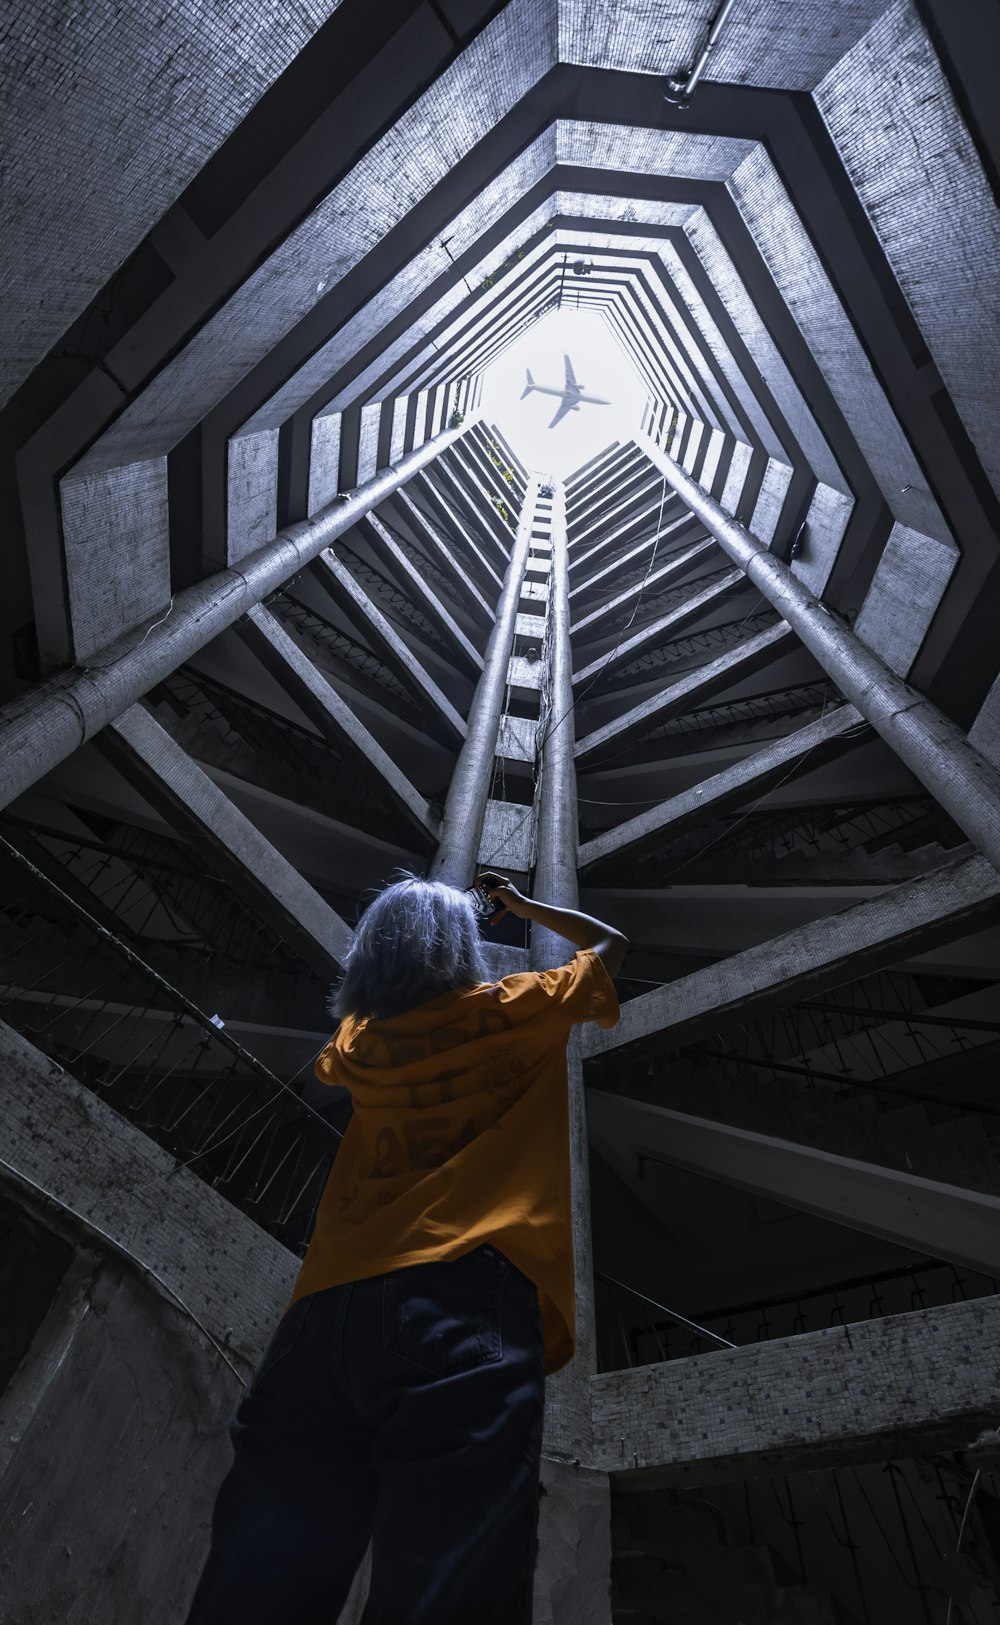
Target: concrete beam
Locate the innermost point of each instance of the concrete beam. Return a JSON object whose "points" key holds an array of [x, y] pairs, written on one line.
{"points": [[42, 727], [826, 953], [664, 626], [310, 691], [185, 796], [904, 1385], [444, 556], [468, 794], [620, 560], [387, 544], [567, 1395], [674, 566], [346, 592], [783, 759], [937, 1219], [479, 511], [66, 1145], [687, 692], [475, 561]]}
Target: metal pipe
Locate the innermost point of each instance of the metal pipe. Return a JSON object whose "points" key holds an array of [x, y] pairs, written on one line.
{"points": [[468, 793], [681, 90], [42, 727], [555, 881], [933, 747]]}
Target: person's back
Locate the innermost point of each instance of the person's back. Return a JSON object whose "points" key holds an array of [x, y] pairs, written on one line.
{"points": [[402, 1395]]}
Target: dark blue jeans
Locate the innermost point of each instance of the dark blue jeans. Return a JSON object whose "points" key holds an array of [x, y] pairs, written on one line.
{"points": [[406, 1409]]}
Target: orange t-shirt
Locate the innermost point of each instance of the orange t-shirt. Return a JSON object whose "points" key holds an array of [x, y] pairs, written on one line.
{"points": [[460, 1135]]}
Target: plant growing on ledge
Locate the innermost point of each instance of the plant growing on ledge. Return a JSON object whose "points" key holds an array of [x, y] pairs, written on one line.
{"points": [[456, 420], [501, 509], [491, 451], [507, 265]]}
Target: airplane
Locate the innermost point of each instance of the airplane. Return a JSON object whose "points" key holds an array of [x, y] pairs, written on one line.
{"points": [[570, 397]]}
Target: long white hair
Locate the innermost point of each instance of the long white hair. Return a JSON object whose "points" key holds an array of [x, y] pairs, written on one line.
{"points": [[418, 939]]}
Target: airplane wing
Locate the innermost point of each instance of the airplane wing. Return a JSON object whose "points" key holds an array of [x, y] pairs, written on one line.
{"points": [[571, 382], [564, 407]]}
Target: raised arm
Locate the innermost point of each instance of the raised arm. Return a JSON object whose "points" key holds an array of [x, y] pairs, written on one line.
{"points": [[580, 929]]}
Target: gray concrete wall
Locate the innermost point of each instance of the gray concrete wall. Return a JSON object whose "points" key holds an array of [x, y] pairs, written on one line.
{"points": [[916, 170], [104, 124], [114, 1444], [907, 587], [116, 559], [324, 462], [251, 494]]}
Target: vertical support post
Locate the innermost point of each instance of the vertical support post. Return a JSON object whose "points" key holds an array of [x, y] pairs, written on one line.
{"points": [[577, 1498], [468, 793]]}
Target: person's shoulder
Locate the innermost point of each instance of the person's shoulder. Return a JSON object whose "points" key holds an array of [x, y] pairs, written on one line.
{"points": [[549, 984]]}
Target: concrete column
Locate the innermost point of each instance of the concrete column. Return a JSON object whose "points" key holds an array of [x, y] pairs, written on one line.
{"points": [[41, 728], [932, 746], [555, 866], [573, 1576], [465, 807]]}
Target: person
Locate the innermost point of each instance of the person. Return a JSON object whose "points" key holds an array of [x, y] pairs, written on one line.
{"points": [[401, 1398]]}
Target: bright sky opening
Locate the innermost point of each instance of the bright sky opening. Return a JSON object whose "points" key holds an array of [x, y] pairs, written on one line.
{"points": [[599, 365]]}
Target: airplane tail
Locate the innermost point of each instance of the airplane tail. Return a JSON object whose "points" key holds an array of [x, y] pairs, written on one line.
{"points": [[529, 385]]}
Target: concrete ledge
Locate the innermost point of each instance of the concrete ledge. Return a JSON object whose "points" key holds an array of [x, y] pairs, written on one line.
{"points": [[69, 1146], [901, 1386]]}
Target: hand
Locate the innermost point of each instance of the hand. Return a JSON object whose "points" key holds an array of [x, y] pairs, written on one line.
{"points": [[502, 891]]}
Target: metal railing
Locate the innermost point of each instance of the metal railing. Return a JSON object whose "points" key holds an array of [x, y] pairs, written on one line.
{"points": [[926, 1284], [774, 835], [775, 704], [727, 635], [92, 1004], [314, 761], [392, 599], [353, 659], [156, 894]]}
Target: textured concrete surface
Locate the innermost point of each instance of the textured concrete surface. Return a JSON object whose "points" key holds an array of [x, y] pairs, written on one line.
{"points": [[573, 1572], [462, 106], [826, 522], [731, 290], [116, 555], [877, 1388], [915, 168], [941, 906], [753, 409], [984, 735], [739, 465], [171, 780], [123, 1383], [802, 280], [59, 1136], [130, 95], [762, 43], [765, 521], [929, 1217], [371, 417], [324, 461], [252, 494], [908, 586]]}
